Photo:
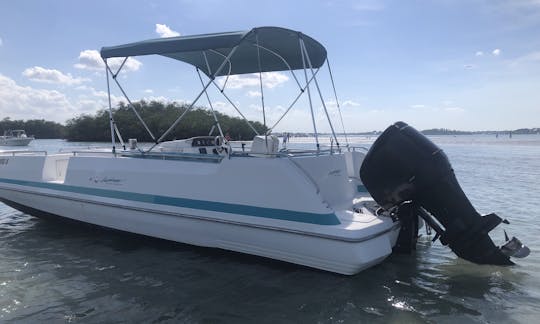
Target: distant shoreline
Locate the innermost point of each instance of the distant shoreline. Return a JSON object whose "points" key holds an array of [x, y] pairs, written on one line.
{"points": [[43, 129], [431, 132]]}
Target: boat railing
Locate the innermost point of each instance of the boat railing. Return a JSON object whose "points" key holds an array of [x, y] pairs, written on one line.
{"points": [[174, 156], [71, 149], [282, 153], [286, 152], [216, 157], [188, 156], [14, 153], [90, 152], [152, 155], [351, 148], [326, 150], [244, 148], [346, 148], [306, 152]]}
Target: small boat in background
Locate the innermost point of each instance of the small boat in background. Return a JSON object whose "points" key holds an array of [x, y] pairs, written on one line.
{"points": [[16, 137]]}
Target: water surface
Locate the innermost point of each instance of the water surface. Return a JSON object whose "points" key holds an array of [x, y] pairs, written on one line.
{"points": [[57, 272]]}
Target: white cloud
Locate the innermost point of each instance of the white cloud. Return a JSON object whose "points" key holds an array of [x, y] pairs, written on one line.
{"points": [[251, 112], [94, 100], [91, 60], [257, 108], [164, 31], [83, 87], [270, 80], [40, 74], [219, 104], [468, 66], [479, 53], [158, 98], [239, 81], [533, 57], [97, 99], [20, 102], [148, 91], [350, 103], [444, 106], [253, 94], [224, 107], [454, 109], [422, 108], [273, 79], [99, 94], [1, 42], [345, 103], [496, 52]]}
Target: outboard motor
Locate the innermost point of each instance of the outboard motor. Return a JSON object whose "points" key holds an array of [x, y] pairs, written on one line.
{"points": [[406, 172]]}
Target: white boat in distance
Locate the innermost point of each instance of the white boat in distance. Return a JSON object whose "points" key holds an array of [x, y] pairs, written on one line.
{"points": [[16, 137], [306, 207]]}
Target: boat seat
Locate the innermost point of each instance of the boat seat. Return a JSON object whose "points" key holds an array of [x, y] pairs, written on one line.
{"points": [[267, 145]]}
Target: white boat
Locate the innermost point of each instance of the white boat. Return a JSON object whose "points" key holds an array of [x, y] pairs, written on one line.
{"points": [[16, 137], [306, 207]]}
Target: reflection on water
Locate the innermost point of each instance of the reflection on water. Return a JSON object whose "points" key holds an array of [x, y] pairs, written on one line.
{"points": [[57, 272]]}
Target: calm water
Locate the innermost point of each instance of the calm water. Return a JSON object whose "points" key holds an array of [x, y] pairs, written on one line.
{"points": [[55, 272]]}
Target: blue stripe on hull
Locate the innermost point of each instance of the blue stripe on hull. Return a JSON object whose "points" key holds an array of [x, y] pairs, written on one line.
{"points": [[273, 213], [361, 188]]}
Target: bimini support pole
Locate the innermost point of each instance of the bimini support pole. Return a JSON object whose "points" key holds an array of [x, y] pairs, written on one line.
{"points": [[119, 135], [235, 107], [261, 85], [111, 120], [228, 61], [130, 104], [319, 91], [216, 121], [302, 90], [283, 60], [196, 99], [337, 101], [222, 90], [300, 42]]}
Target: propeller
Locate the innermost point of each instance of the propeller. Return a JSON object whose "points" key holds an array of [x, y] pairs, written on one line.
{"points": [[514, 247]]}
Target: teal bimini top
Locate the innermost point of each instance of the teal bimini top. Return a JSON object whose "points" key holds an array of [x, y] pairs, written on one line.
{"points": [[274, 42]]}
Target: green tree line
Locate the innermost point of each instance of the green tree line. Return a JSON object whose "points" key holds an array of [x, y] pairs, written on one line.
{"points": [[40, 128], [158, 116]]}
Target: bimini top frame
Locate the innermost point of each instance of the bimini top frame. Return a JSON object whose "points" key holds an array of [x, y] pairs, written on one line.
{"points": [[262, 49]]}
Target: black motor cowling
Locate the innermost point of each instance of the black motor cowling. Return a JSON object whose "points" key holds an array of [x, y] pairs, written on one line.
{"points": [[405, 167]]}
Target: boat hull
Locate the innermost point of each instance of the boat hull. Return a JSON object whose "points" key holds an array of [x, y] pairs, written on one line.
{"points": [[334, 254], [15, 141], [300, 210]]}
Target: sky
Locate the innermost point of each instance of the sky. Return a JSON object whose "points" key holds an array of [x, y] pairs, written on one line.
{"points": [[466, 65]]}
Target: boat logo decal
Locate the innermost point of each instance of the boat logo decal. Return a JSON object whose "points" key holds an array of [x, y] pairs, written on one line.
{"points": [[106, 180], [335, 173]]}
